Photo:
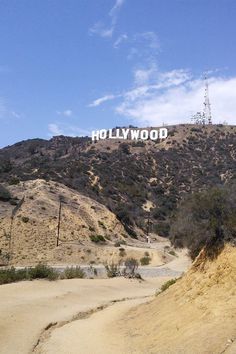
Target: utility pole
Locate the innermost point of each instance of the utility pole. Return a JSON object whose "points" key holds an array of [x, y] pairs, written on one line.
{"points": [[59, 219], [148, 228]]}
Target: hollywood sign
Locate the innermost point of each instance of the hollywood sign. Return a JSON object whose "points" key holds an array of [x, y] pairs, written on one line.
{"points": [[128, 133]]}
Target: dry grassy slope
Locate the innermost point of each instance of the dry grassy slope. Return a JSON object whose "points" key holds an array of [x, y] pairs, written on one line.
{"points": [[177, 134], [35, 240], [197, 315]]}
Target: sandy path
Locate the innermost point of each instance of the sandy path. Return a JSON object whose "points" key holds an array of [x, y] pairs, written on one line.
{"points": [[27, 308], [92, 335]]}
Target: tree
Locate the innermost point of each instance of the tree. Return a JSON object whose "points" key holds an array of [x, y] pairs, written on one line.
{"points": [[206, 219], [4, 194]]}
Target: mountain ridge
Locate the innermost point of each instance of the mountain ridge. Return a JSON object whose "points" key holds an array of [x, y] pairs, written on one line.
{"points": [[136, 180]]}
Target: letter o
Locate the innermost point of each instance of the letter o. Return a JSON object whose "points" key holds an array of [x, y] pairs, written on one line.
{"points": [[153, 134], [144, 134]]}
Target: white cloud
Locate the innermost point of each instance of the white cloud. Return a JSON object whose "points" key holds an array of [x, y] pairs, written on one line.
{"points": [[143, 76], [176, 96], [16, 115], [54, 129], [66, 113], [5, 111], [116, 7], [101, 100], [99, 29], [119, 40], [150, 37], [144, 46], [67, 130], [146, 83], [107, 31]]}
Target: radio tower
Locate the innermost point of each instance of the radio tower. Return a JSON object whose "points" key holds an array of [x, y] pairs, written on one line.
{"points": [[207, 105]]}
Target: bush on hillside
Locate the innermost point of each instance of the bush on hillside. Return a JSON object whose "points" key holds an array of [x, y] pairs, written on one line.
{"points": [[167, 284], [73, 272], [5, 195], [145, 260], [206, 219], [42, 271], [97, 238], [113, 270]]}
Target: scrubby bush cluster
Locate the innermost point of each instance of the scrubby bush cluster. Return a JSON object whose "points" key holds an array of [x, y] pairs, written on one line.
{"points": [[73, 272], [5, 195], [145, 260], [97, 238], [166, 285], [40, 271], [113, 270], [130, 269], [206, 220]]}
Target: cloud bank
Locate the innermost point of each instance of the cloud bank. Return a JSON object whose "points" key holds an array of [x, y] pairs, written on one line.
{"points": [[66, 129], [173, 97], [176, 97]]}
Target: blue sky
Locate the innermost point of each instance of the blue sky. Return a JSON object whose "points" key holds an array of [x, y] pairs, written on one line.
{"points": [[71, 66]]}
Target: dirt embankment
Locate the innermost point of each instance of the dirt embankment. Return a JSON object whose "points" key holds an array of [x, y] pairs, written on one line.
{"points": [[41, 228], [197, 315]]}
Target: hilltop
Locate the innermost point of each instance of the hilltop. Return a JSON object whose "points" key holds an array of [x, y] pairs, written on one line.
{"points": [[133, 179]]}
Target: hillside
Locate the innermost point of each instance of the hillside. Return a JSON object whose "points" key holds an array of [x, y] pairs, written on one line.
{"points": [[32, 234], [130, 178], [36, 227], [197, 315]]}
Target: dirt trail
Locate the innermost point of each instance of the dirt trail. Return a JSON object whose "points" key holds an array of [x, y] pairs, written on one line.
{"points": [[194, 316], [27, 308], [91, 335]]}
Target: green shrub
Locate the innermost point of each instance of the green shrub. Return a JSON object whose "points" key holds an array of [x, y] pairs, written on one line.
{"points": [[5, 195], [145, 260], [122, 252], [167, 284], [14, 181], [102, 224], [73, 272], [12, 275], [41, 271], [113, 270], [206, 220], [97, 238], [172, 253], [25, 219]]}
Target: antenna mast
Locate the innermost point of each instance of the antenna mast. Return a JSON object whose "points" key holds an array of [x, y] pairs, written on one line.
{"points": [[207, 105]]}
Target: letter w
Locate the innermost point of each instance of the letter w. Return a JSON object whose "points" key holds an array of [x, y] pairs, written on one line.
{"points": [[134, 134]]}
